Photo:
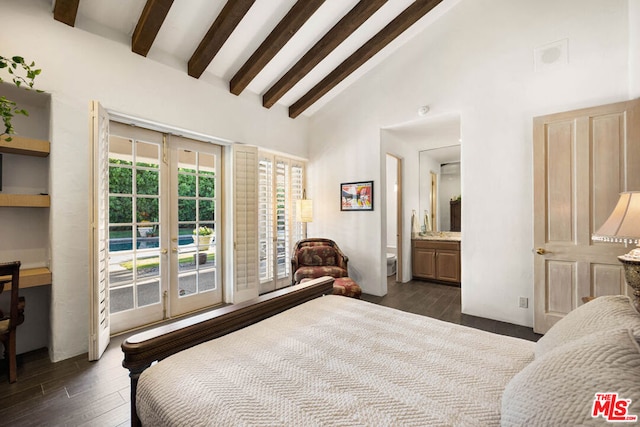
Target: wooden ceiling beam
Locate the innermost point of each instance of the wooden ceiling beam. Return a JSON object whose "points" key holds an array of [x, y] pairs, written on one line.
{"points": [[66, 11], [224, 24], [281, 34], [332, 39], [385, 36], [151, 19]]}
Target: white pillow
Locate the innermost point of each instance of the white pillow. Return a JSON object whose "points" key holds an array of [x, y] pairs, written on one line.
{"points": [[559, 388], [601, 314]]}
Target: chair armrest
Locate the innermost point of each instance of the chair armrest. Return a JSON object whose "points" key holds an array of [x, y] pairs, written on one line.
{"points": [[342, 258]]}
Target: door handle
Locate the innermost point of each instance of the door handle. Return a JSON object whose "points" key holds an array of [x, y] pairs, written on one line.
{"points": [[174, 249], [542, 251], [163, 252]]}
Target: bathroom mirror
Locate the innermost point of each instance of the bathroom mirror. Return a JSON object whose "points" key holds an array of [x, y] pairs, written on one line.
{"points": [[440, 186]]}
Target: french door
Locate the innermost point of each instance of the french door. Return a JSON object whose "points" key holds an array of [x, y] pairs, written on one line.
{"points": [[163, 257], [195, 274]]}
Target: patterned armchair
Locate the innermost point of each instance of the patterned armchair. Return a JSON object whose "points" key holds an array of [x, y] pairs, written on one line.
{"points": [[317, 257]]}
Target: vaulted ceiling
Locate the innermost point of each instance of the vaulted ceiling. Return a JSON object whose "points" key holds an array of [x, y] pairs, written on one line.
{"points": [[293, 53]]}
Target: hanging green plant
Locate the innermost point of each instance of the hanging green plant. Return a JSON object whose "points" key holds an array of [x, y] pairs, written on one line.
{"points": [[22, 75]]}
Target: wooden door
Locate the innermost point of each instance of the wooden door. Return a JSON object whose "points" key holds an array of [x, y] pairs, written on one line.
{"points": [[582, 160]]}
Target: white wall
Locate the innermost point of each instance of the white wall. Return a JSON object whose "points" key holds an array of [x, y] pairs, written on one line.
{"points": [[410, 167], [392, 201], [478, 60], [634, 49], [79, 67]]}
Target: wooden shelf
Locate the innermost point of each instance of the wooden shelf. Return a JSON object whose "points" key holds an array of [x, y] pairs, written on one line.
{"points": [[25, 200], [30, 277], [25, 146]]}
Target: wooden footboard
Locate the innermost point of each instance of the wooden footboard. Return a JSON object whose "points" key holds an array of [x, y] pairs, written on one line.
{"points": [[142, 349]]}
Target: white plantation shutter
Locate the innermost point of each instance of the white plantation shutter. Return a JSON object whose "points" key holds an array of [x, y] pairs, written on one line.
{"points": [[281, 183], [99, 236], [245, 199], [282, 225], [297, 188], [265, 218]]}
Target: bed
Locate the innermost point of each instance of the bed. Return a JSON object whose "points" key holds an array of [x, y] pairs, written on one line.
{"points": [[300, 356]]}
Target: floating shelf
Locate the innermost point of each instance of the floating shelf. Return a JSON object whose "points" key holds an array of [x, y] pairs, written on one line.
{"points": [[25, 200], [30, 277], [25, 146]]}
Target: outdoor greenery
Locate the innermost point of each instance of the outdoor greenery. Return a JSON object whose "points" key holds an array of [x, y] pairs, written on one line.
{"points": [[22, 75], [203, 231], [121, 179]]}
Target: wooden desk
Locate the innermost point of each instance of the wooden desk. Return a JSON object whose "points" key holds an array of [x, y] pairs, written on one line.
{"points": [[30, 277]]}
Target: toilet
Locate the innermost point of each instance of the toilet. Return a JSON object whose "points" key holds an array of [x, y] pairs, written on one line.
{"points": [[391, 264]]}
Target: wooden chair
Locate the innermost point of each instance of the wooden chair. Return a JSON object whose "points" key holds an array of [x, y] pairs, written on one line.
{"points": [[9, 323]]}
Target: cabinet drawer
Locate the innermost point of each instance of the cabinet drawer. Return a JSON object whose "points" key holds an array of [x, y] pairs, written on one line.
{"points": [[437, 244]]}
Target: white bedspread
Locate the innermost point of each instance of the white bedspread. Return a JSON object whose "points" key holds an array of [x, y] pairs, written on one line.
{"points": [[336, 361]]}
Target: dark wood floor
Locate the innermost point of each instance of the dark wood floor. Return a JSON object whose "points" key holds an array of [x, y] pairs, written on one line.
{"points": [[442, 302], [77, 392]]}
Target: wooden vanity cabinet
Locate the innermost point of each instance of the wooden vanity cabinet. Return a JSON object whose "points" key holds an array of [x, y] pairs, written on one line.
{"points": [[437, 260]]}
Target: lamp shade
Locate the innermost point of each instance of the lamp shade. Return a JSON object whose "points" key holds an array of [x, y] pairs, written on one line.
{"points": [[304, 210], [623, 225]]}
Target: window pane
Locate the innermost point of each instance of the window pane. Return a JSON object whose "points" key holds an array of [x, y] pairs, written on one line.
{"points": [[207, 280], [206, 211], [186, 185], [121, 299], [147, 209], [147, 154], [120, 238], [148, 265], [148, 293], [120, 150], [120, 209], [120, 180], [121, 269], [186, 210], [206, 186], [148, 235], [206, 163], [187, 161], [187, 285], [147, 182]]}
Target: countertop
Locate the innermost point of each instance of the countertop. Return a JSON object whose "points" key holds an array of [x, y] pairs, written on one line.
{"points": [[439, 235]]}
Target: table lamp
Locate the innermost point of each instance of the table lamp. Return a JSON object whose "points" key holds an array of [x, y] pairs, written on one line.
{"points": [[623, 226]]}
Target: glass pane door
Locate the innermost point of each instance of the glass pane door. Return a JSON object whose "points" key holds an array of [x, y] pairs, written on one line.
{"points": [[196, 277], [135, 263]]}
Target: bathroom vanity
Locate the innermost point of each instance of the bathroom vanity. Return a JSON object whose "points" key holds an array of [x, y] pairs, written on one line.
{"points": [[436, 256]]}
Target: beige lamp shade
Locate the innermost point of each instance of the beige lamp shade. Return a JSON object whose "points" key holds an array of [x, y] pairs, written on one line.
{"points": [[304, 210], [623, 225]]}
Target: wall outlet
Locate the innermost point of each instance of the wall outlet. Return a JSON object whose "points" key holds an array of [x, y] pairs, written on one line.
{"points": [[524, 302]]}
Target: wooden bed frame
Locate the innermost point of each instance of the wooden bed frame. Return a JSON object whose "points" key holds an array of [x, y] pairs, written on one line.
{"points": [[142, 349]]}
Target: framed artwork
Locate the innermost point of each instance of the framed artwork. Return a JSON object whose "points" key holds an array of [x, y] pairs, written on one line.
{"points": [[356, 196]]}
